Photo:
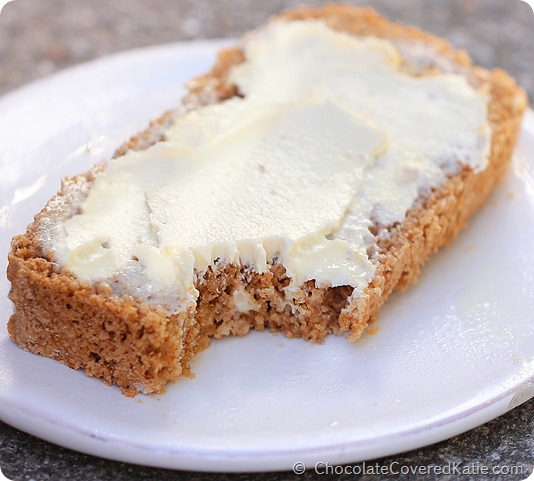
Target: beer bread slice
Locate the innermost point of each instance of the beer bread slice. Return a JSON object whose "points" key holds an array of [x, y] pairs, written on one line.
{"points": [[141, 347]]}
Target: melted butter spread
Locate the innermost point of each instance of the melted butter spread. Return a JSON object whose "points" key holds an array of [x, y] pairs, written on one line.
{"points": [[330, 137]]}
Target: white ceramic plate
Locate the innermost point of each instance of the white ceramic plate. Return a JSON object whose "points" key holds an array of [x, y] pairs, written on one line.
{"points": [[451, 353]]}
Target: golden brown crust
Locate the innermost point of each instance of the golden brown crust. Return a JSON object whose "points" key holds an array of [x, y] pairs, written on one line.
{"points": [[141, 347]]}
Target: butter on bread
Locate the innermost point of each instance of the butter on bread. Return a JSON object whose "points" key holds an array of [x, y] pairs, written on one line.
{"points": [[141, 346]]}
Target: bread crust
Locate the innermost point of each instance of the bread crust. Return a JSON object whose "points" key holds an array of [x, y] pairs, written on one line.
{"points": [[141, 347]]}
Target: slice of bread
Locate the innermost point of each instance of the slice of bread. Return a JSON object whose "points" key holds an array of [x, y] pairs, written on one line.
{"points": [[141, 347]]}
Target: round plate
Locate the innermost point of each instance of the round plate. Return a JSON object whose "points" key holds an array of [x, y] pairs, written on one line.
{"points": [[452, 352]]}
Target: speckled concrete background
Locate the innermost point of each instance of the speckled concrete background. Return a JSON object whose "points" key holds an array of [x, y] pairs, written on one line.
{"points": [[38, 38]]}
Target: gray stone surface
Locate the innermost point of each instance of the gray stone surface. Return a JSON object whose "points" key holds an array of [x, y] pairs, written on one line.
{"points": [[39, 38]]}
